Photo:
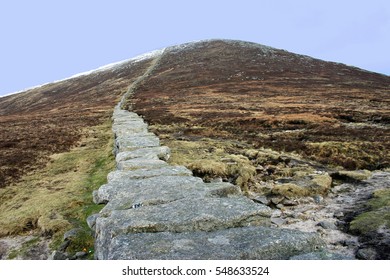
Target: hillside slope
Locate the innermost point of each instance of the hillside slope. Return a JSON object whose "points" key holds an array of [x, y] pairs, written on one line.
{"points": [[50, 119], [292, 131], [271, 98]]}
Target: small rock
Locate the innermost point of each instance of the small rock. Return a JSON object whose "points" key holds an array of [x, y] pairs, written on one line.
{"points": [[91, 221], [366, 254], [326, 225], [349, 243], [338, 215], [59, 256], [277, 221], [80, 255], [277, 199], [63, 246], [3, 249], [289, 202], [261, 199], [276, 213], [318, 199], [216, 180], [280, 206], [306, 200], [71, 233], [288, 214]]}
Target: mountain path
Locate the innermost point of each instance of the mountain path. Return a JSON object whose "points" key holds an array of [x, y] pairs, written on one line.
{"points": [[157, 211]]}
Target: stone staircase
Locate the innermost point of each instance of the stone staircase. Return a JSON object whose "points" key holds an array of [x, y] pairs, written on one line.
{"points": [[157, 211]]}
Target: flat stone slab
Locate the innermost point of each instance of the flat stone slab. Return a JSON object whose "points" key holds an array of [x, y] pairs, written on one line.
{"points": [[140, 163], [127, 188], [161, 152], [161, 194], [119, 113], [143, 173], [184, 215], [256, 243], [131, 143], [128, 128], [131, 133]]}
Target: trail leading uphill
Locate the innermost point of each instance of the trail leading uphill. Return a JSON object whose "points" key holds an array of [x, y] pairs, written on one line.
{"points": [[158, 211]]}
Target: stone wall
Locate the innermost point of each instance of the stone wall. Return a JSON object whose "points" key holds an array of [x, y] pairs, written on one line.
{"points": [[157, 211]]}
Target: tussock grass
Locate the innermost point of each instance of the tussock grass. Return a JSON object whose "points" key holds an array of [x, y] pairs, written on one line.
{"points": [[58, 197], [208, 167], [211, 158], [351, 155]]}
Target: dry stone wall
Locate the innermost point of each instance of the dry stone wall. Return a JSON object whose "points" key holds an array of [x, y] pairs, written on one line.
{"points": [[157, 211]]}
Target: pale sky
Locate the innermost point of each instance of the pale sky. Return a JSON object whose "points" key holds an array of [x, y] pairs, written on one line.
{"points": [[44, 41]]}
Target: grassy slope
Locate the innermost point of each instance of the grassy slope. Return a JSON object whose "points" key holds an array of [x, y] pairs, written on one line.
{"points": [[59, 196], [55, 148]]}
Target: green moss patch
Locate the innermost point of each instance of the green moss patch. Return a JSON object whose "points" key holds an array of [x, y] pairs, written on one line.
{"points": [[376, 217]]}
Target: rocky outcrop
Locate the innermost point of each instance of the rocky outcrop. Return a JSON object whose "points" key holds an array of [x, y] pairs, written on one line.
{"points": [[157, 211]]}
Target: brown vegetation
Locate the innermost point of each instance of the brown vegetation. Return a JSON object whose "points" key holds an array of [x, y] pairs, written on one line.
{"points": [[329, 112], [47, 120]]}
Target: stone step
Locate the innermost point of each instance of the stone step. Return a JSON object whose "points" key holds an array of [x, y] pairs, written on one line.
{"points": [[124, 129], [184, 215], [161, 194], [143, 173], [129, 187], [134, 142], [256, 243], [163, 188], [131, 134], [158, 211], [139, 163], [161, 152]]}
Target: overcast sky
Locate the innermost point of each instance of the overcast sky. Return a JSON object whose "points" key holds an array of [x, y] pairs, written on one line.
{"points": [[43, 41]]}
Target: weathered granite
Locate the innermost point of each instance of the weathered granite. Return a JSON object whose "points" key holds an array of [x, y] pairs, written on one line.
{"points": [[229, 244], [162, 153], [160, 194], [188, 214], [124, 129], [320, 255], [184, 215], [126, 188], [139, 163], [131, 143], [142, 173]]}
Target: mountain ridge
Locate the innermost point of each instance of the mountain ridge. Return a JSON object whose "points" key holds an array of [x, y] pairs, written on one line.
{"points": [[178, 46]]}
